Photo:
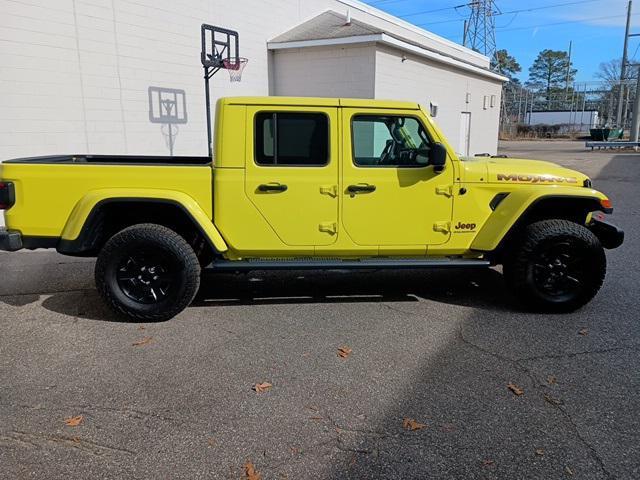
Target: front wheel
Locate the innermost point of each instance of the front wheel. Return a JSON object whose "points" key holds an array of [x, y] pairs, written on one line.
{"points": [[148, 273], [555, 265]]}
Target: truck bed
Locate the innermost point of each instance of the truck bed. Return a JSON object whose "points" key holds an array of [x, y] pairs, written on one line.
{"points": [[114, 160], [57, 187]]}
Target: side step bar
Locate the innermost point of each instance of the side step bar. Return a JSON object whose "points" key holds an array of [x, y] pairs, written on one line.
{"points": [[314, 264]]}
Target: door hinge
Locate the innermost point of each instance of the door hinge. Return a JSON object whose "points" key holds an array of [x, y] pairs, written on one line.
{"points": [[328, 227], [444, 227], [446, 190], [331, 190]]}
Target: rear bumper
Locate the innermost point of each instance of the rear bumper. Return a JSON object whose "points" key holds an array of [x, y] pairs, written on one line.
{"points": [[609, 235], [10, 241]]}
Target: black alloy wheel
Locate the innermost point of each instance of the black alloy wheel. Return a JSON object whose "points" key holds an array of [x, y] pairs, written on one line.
{"points": [[560, 271], [555, 266], [147, 272]]}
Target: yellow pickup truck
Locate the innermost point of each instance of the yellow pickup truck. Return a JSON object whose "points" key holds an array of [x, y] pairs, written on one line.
{"points": [[304, 183]]}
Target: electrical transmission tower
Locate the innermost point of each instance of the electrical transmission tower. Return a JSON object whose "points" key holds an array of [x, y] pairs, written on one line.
{"points": [[480, 34]]}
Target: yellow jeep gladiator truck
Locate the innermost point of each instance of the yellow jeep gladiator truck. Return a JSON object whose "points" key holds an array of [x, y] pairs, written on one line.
{"points": [[304, 183]]}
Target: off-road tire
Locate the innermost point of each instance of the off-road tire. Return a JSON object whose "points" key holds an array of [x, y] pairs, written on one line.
{"points": [[527, 265], [179, 266]]}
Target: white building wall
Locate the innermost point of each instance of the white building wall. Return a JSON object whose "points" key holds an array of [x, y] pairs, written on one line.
{"points": [[423, 81], [74, 74], [325, 72]]}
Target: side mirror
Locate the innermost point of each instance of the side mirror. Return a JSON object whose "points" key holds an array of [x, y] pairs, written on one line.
{"points": [[438, 157]]}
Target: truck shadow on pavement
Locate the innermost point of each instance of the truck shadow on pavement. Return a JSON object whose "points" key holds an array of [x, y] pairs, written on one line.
{"points": [[483, 289]]}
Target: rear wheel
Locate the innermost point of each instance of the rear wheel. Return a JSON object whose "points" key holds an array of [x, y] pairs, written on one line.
{"points": [[148, 273], [555, 265]]}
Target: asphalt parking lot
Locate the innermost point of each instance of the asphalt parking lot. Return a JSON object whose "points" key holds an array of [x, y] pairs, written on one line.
{"points": [[175, 399]]}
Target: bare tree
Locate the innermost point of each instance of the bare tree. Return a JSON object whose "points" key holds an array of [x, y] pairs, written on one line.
{"points": [[609, 72]]}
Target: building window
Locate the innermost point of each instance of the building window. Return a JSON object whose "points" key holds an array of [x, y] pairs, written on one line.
{"points": [[389, 141], [292, 139]]}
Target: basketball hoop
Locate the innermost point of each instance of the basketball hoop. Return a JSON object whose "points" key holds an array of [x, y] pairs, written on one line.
{"points": [[235, 67]]}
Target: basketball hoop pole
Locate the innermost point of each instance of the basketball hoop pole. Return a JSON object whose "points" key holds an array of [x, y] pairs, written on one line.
{"points": [[220, 49], [207, 76]]}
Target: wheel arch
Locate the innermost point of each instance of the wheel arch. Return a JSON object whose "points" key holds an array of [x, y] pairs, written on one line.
{"points": [[95, 219], [509, 218]]}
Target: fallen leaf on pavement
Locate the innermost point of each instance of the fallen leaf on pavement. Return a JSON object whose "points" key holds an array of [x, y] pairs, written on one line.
{"points": [[262, 387], [515, 389], [344, 352], [412, 425], [551, 400], [552, 380], [584, 332], [250, 472], [211, 442], [487, 463], [568, 471], [74, 421], [316, 418], [539, 452], [142, 342], [448, 427]]}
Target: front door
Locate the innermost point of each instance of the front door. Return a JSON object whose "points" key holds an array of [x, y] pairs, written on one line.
{"points": [[292, 172], [390, 197]]}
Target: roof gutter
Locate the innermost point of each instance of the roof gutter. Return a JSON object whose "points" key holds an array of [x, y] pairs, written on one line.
{"points": [[376, 12], [388, 40]]}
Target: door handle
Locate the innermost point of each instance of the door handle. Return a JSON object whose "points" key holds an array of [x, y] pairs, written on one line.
{"points": [[272, 187], [361, 188]]}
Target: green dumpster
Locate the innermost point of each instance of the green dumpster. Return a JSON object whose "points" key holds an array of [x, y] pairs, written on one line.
{"points": [[600, 134]]}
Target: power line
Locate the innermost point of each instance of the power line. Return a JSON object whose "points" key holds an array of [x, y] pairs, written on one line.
{"points": [[518, 11], [415, 14], [458, 37], [563, 23]]}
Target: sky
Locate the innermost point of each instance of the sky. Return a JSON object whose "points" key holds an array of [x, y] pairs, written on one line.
{"points": [[596, 27]]}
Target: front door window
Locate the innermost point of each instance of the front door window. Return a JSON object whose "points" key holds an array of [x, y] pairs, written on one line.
{"points": [[389, 141]]}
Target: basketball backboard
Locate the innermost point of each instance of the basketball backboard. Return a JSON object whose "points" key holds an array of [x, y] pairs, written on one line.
{"points": [[219, 45]]}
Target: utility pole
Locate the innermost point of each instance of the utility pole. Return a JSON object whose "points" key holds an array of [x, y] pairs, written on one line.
{"points": [[635, 123], [566, 89], [623, 67]]}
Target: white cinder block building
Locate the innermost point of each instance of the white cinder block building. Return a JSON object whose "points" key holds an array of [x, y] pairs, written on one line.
{"points": [[75, 75]]}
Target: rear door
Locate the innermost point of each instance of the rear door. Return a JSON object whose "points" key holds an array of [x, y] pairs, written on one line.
{"points": [[291, 174]]}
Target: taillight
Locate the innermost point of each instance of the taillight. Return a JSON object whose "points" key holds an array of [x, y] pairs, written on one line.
{"points": [[7, 195], [606, 204]]}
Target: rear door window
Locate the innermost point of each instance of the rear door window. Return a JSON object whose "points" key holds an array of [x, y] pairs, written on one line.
{"points": [[291, 139]]}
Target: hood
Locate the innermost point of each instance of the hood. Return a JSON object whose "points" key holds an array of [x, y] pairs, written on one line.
{"points": [[521, 171]]}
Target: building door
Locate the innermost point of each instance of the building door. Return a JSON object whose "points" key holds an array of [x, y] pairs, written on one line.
{"points": [[291, 174], [391, 198], [465, 133]]}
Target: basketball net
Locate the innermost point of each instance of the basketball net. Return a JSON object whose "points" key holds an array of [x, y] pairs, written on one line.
{"points": [[235, 67]]}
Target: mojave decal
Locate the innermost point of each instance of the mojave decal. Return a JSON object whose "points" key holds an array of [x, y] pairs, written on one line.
{"points": [[512, 177]]}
